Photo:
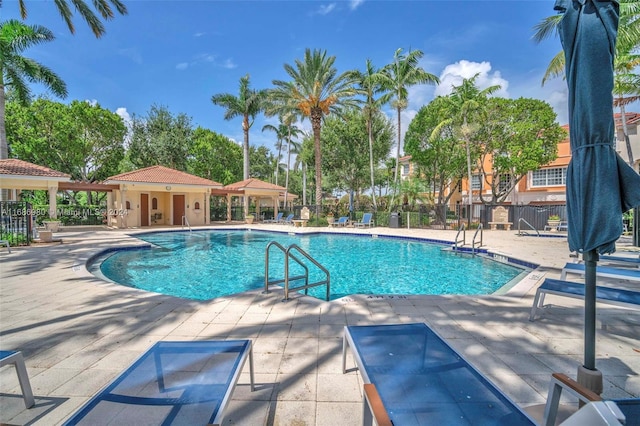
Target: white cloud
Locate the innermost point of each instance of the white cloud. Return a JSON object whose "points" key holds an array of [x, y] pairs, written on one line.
{"points": [[228, 64], [453, 74], [182, 66], [124, 114], [325, 9], [131, 53], [199, 34], [92, 102], [354, 4]]}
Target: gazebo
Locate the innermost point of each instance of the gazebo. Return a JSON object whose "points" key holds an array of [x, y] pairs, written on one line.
{"points": [[264, 193]]}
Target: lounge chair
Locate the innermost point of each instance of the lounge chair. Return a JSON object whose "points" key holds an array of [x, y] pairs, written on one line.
{"points": [[602, 271], [610, 295], [342, 221], [622, 260], [411, 374], [187, 382], [596, 412], [5, 243], [16, 358], [277, 219], [367, 220], [288, 220]]}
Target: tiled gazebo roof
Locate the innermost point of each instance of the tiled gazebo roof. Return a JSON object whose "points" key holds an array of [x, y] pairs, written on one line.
{"points": [[163, 175], [253, 183], [15, 167]]}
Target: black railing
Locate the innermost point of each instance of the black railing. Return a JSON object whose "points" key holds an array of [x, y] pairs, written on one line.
{"points": [[16, 222]]}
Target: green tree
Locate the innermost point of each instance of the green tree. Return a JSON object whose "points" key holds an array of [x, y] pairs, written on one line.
{"points": [[160, 138], [82, 139], [370, 85], [17, 70], [466, 110], [345, 151], [103, 7], [516, 137], [398, 76], [215, 157], [248, 104], [437, 153], [626, 83], [317, 90], [263, 161]]}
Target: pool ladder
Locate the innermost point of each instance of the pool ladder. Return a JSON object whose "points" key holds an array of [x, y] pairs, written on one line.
{"points": [[474, 241], [287, 279]]}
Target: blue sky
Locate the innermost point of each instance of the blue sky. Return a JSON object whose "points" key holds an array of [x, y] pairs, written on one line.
{"points": [[180, 53]]}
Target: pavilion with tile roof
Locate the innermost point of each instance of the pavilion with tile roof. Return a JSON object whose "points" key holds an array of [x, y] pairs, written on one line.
{"points": [[16, 175], [161, 196], [265, 194]]}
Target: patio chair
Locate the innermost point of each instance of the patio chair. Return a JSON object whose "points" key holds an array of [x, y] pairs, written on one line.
{"points": [[411, 374], [277, 219], [613, 412], [5, 243], [172, 383], [288, 220], [628, 261], [602, 271], [342, 221], [610, 295], [367, 220], [16, 358]]}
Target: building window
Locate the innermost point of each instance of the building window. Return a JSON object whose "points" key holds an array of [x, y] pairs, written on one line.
{"points": [[154, 203], [405, 170], [549, 177], [476, 183], [505, 183]]}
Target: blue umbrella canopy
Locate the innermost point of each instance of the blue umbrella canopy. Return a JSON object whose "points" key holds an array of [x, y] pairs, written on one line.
{"points": [[600, 185]]}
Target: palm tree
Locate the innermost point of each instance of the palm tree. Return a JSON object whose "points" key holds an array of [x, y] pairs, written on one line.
{"points": [[103, 8], [293, 131], [465, 106], [397, 77], [281, 134], [247, 105], [17, 71], [317, 90], [369, 86], [625, 82]]}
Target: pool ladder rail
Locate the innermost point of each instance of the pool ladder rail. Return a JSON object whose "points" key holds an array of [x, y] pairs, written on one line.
{"points": [[288, 254], [474, 242], [520, 232], [186, 221]]}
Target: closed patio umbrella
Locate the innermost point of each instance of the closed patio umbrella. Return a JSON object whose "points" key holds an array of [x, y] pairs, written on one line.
{"points": [[600, 185]]}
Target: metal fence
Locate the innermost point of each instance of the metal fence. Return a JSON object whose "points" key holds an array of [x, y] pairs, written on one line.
{"points": [[16, 222]]}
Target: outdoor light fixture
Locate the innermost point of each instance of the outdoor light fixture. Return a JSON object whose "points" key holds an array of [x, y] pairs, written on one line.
{"points": [[168, 188]]}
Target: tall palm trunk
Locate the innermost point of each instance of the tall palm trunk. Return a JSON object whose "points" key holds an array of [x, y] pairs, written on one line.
{"points": [[4, 148], [286, 181], [396, 174], [625, 132], [278, 161], [467, 144], [373, 183], [245, 148], [316, 125]]}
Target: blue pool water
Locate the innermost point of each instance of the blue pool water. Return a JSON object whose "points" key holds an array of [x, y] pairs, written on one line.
{"points": [[206, 264]]}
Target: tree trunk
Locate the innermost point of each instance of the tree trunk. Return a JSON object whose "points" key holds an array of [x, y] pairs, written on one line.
{"points": [[4, 148], [470, 194], [396, 174], [316, 124], [245, 148], [373, 183], [286, 184], [623, 117]]}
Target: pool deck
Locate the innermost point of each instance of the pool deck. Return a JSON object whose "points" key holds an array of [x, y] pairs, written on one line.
{"points": [[78, 332]]}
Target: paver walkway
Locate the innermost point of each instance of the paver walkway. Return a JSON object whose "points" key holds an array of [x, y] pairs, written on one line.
{"points": [[78, 332]]}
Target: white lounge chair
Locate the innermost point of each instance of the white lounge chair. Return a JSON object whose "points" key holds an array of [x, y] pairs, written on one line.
{"points": [[602, 271], [16, 358]]}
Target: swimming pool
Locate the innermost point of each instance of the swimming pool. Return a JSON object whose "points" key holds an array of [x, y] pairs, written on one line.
{"points": [[206, 264]]}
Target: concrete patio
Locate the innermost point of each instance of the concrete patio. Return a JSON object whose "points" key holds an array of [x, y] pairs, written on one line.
{"points": [[78, 332]]}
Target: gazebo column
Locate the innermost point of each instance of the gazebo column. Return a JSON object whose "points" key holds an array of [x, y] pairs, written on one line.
{"points": [[228, 207], [110, 206], [245, 207], [276, 204], [207, 207], [53, 206]]}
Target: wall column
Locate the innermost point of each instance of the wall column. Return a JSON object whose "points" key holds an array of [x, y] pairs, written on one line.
{"points": [[53, 206]]}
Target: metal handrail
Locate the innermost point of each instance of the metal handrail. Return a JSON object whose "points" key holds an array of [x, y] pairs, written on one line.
{"points": [[464, 237], [473, 242], [266, 267], [185, 220], [289, 255], [528, 224]]}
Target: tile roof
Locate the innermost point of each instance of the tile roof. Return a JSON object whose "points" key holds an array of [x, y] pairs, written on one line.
{"points": [[13, 166], [632, 118], [164, 175], [253, 183]]}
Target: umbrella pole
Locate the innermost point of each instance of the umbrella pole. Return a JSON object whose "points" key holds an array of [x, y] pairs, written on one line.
{"points": [[588, 375]]}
